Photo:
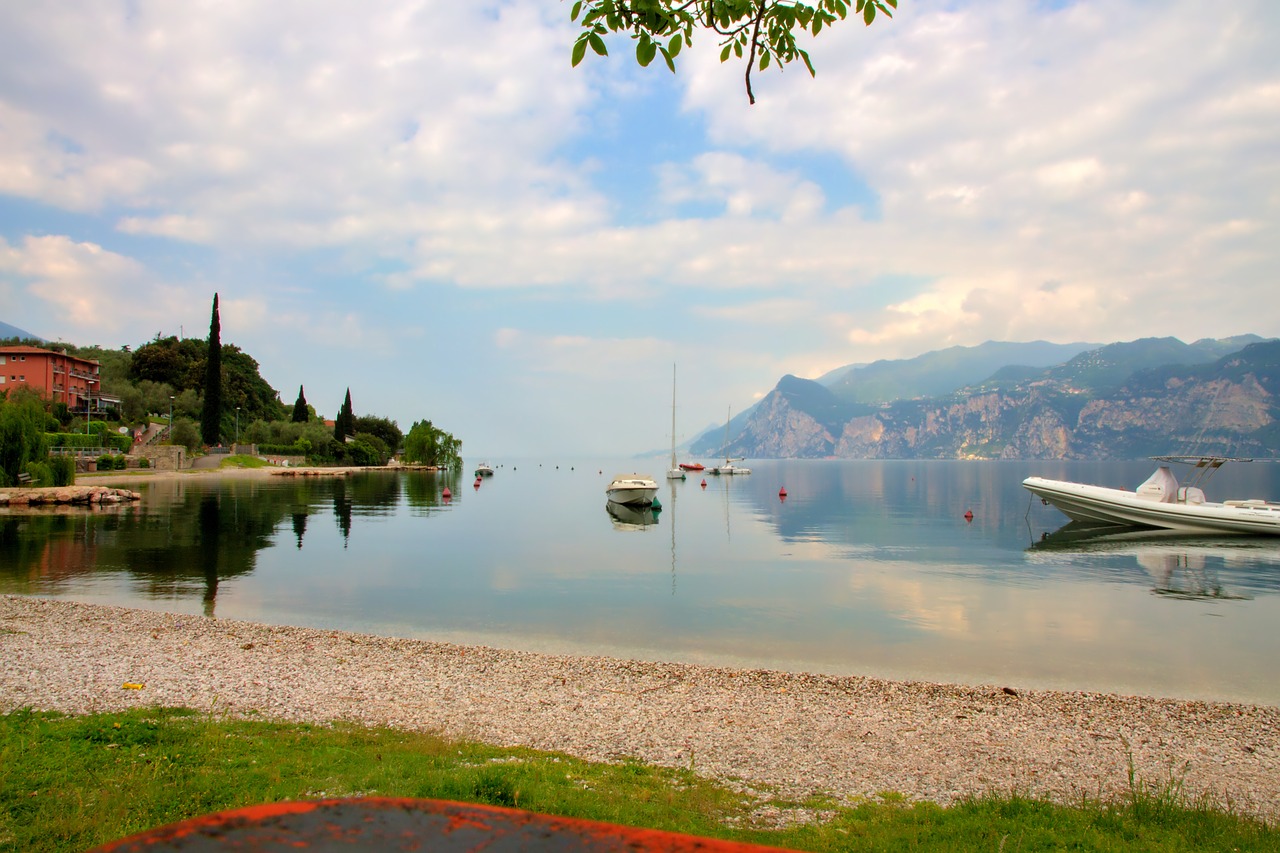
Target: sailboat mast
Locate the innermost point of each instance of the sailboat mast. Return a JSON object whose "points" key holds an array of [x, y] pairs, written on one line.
{"points": [[728, 416], [673, 417]]}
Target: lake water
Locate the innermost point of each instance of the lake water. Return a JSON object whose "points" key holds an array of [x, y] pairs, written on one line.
{"points": [[866, 568]]}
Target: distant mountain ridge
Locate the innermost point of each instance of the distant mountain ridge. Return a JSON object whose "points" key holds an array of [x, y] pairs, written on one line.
{"points": [[945, 370], [7, 331], [1121, 400]]}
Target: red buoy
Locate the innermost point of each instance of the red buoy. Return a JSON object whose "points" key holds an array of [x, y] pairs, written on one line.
{"points": [[782, 493], [704, 482], [968, 515], [446, 494]]}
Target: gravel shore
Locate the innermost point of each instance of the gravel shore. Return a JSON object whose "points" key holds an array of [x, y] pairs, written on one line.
{"points": [[851, 737]]}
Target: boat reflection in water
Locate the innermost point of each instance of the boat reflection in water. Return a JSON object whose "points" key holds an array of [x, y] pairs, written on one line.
{"points": [[1181, 565], [631, 516]]}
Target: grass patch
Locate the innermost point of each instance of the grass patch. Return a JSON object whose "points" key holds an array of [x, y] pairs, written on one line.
{"points": [[71, 782], [243, 461]]}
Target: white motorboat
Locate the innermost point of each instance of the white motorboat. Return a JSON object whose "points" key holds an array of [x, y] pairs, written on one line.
{"points": [[1161, 502], [632, 489], [484, 469]]}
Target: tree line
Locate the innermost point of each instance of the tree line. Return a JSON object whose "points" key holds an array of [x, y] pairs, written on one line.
{"points": [[208, 393]]}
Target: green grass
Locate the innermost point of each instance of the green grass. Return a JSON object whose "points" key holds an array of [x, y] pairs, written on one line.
{"points": [[72, 782], [243, 461]]}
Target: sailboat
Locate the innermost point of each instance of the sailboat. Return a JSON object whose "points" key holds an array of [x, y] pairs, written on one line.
{"points": [[675, 472], [728, 467]]}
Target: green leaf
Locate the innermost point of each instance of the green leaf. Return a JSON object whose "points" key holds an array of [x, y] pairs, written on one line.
{"points": [[807, 64], [579, 50], [675, 44], [577, 7], [764, 60], [646, 50], [597, 44], [869, 13], [737, 49], [724, 54], [671, 64]]}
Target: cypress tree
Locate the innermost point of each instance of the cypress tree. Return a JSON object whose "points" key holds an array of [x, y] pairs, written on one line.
{"points": [[300, 408], [345, 423], [211, 413]]}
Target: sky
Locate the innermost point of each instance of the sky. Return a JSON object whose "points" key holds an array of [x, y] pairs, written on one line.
{"points": [[422, 201]]}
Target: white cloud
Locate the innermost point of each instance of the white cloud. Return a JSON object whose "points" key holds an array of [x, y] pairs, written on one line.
{"points": [[346, 172]]}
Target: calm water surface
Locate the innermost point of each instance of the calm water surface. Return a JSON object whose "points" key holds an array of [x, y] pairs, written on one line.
{"points": [[866, 568]]}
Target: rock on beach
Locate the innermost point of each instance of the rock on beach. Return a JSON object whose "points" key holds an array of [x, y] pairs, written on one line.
{"points": [[794, 733], [64, 495]]}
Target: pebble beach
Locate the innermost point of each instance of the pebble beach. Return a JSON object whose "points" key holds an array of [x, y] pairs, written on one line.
{"points": [[795, 733]]}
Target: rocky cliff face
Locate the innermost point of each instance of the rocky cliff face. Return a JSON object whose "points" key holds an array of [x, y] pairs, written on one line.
{"points": [[1230, 406]]}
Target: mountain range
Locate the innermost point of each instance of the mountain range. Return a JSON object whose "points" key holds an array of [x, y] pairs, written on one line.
{"points": [[1037, 400]]}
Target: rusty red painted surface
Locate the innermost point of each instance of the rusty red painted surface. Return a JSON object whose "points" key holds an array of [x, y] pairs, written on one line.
{"points": [[394, 824]]}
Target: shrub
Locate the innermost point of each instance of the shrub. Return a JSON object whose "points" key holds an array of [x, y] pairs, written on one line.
{"points": [[106, 463], [63, 467], [41, 474], [144, 462]]}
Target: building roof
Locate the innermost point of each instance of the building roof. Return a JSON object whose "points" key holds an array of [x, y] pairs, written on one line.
{"points": [[39, 351]]}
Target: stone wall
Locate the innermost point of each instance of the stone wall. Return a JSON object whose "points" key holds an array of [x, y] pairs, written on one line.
{"points": [[164, 457]]}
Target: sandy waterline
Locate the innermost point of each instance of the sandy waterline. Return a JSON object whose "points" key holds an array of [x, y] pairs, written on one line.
{"points": [[848, 736]]}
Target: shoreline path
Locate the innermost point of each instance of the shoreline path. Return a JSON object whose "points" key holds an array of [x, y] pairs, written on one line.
{"points": [[850, 737]]}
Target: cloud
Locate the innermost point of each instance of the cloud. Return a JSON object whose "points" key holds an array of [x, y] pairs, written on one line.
{"points": [[409, 177], [1017, 145], [82, 282]]}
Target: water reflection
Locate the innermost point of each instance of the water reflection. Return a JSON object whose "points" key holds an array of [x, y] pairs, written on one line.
{"points": [[627, 517], [187, 538], [1179, 565], [868, 567]]}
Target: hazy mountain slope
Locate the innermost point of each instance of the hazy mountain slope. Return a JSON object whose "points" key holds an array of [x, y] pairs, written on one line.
{"points": [[7, 331], [943, 371], [1109, 366]]}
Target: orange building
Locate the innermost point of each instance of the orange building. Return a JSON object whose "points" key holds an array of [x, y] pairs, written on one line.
{"points": [[57, 376]]}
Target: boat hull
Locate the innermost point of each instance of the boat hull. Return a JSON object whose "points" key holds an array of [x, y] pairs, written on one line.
{"points": [[1101, 505], [632, 490]]}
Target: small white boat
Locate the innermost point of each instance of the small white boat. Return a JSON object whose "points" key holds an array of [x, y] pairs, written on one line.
{"points": [[484, 469], [632, 489], [1161, 502], [728, 467]]}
